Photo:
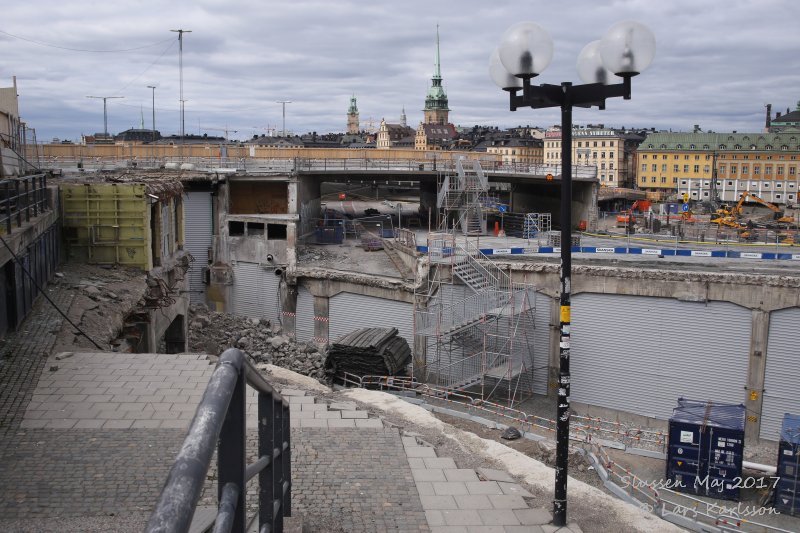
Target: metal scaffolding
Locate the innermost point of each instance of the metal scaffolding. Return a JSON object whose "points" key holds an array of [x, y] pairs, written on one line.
{"points": [[475, 325]]}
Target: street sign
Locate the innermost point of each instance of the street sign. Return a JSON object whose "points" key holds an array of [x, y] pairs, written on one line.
{"points": [[685, 198], [685, 207], [502, 208]]}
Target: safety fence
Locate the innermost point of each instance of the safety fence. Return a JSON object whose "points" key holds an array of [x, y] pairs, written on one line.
{"points": [[583, 428], [219, 424]]}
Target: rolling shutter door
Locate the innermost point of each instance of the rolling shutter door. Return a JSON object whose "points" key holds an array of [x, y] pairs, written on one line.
{"points": [[198, 234], [255, 291], [782, 373], [640, 354], [304, 321], [541, 342], [349, 311]]}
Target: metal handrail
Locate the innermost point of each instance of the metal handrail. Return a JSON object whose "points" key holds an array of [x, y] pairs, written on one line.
{"points": [[22, 197], [220, 418]]}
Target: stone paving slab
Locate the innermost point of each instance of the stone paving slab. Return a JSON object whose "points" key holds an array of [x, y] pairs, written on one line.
{"points": [[123, 390], [466, 500]]}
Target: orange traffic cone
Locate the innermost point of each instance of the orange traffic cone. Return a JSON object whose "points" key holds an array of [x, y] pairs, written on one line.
{"points": [[496, 228]]}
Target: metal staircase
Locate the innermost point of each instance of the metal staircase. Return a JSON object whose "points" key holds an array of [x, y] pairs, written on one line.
{"points": [[465, 196], [476, 324]]}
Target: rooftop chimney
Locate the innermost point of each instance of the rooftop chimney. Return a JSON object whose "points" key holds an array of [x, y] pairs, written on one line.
{"points": [[769, 115], [696, 128]]}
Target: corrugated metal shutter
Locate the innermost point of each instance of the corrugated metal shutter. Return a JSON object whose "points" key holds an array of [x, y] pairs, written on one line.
{"points": [[349, 311], [541, 342], [304, 321], [255, 291], [198, 234], [640, 354], [782, 373]]}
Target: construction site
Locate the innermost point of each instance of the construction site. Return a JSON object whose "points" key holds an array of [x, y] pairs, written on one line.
{"points": [[459, 264]]}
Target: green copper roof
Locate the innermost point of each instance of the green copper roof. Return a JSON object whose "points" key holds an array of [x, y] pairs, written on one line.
{"points": [[721, 141], [353, 110]]}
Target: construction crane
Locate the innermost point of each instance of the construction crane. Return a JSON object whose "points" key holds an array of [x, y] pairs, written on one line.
{"points": [[225, 129]]}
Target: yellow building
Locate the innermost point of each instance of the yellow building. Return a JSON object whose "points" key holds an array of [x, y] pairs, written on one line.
{"points": [[611, 151], [764, 164]]}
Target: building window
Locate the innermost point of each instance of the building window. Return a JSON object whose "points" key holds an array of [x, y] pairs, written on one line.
{"points": [[674, 181], [644, 167], [768, 169], [730, 184], [683, 182], [705, 193], [722, 169], [644, 179], [611, 165], [778, 196], [706, 169], [675, 168], [602, 177], [778, 185], [685, 168], [595, 144], [603, 144], [653, 179], [780, 171], [697, 168], [745, 169], [664, 167], [679, 147], [665, 156], [792, 171], [756, 169], [603, 155], [655, 167], [644, 156], [733, 169], [663, 179], [594, 154], [602, 166]]}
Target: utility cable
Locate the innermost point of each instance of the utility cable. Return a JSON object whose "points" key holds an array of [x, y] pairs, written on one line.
{"points": [[49, 45], [142, 73], [17, 261]]}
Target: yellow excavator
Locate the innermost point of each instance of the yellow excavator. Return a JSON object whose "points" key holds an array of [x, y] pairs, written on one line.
{"points": [[729, 216]]}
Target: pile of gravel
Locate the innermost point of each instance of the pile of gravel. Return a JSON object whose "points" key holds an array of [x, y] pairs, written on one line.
{"points": [[213, 333]]}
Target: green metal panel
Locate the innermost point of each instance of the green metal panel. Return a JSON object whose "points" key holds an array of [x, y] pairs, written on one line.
{"points": [[107, 223]]}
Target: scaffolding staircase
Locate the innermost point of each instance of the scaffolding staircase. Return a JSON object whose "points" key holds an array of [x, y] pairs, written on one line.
{"points": [[465, 198], [476, 324]]}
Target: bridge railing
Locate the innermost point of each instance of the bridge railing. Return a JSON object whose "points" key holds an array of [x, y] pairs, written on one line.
{"points": [[219, 423], [298, 164]]}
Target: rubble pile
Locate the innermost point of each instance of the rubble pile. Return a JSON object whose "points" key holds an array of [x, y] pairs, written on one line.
{"points": [[211, 332], [369, 352]]}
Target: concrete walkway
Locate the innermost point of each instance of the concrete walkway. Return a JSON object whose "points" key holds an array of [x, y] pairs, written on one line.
{"points": [[100, 431]]}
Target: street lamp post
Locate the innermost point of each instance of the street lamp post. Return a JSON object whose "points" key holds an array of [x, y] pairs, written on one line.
{"points": [[153, 87], [283, 104], [105, 111], [525, 51]]}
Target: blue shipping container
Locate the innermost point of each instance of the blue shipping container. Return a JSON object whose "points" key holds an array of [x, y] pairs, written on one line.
{"points": [[706, 443], [787, 491]]}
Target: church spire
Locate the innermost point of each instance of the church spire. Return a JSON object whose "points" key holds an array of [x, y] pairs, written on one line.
{"points": [[436, 110], [437, 71]]}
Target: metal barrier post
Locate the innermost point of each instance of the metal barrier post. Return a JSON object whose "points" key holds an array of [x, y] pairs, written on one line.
{"points": [[266, 419], [286, 455], [19, 211], [231, 458], [27, 201], [8, 207], [277, 471]]}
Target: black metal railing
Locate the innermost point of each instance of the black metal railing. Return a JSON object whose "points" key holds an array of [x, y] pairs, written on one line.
{"points": [[21, 199], [220, 418]]}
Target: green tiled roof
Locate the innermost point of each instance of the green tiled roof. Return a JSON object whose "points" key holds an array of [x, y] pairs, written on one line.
{"points": [[720, 141]]}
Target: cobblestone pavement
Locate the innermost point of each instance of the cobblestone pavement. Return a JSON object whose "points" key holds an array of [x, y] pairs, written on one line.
{"points": [[56, 473], [361, 479], [23, 354]]}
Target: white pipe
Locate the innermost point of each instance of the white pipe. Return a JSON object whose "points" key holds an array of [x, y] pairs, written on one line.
{"points": [[767, 469]]}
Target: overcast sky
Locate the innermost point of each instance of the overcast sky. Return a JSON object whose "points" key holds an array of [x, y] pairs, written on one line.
{"points": [[717, 62]]}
